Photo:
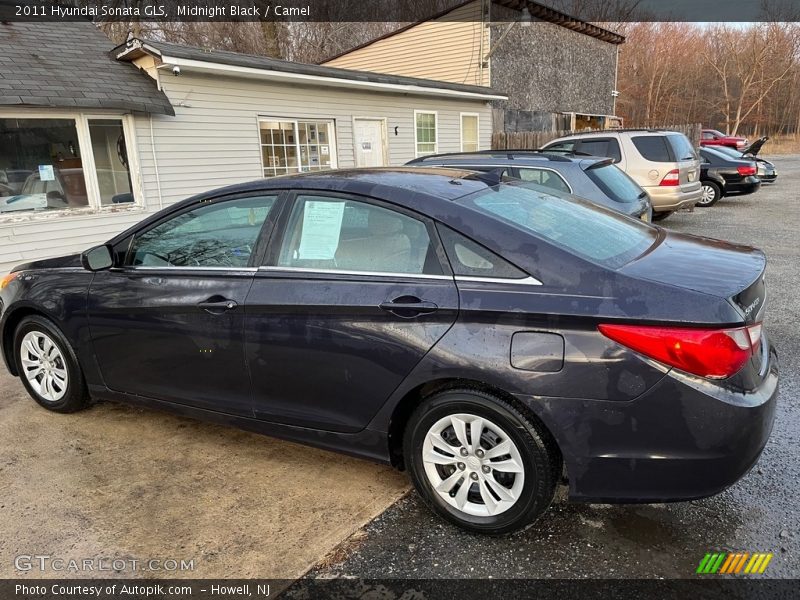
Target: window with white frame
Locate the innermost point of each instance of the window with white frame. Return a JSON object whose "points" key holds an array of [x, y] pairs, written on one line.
{"points": [[63, 163], [425, 132], [296, 146], [469, 132]]}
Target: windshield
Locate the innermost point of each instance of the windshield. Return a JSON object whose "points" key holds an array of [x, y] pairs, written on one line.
{"points": [[593, 233], [727, 151], [615, 184]]}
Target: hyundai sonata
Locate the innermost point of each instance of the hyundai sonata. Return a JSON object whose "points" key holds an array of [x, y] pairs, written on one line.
{"points": [[489, 337]]}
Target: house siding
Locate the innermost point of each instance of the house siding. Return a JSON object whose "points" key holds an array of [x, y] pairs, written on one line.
{"points": [[213, 141], [445, 49]]}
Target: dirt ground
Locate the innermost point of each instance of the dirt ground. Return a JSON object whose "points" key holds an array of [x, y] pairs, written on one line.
{"points": [[118, 482]]}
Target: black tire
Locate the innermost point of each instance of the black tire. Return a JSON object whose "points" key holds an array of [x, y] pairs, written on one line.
{"points": [[540, 458], [712, 191], [660, 216], [75, 395]]}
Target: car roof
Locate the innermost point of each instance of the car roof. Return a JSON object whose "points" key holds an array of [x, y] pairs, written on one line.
{"points": [[521, 154], [380, 182]]}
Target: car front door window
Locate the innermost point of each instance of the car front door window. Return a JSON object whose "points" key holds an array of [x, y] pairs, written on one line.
{"points": [[221, 234]]}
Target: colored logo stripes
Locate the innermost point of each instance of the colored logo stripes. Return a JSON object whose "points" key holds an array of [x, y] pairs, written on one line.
{"points": [[734, 563]]}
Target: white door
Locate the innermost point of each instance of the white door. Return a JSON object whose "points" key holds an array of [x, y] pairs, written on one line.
{"points": [[369, 136]]}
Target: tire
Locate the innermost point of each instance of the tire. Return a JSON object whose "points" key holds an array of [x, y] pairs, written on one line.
{"points": [[711, 195], [59, 385], [525, 494], [660, 216]]}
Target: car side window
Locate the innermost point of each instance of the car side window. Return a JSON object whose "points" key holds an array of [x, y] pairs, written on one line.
{"points": [[222, 234], [337, 234], [653, 147], [605, 147], [564, 146], [544, 177], [708, 136], [470, 259]]}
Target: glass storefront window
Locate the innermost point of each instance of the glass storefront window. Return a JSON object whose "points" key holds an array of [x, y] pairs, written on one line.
{"points": [[40, 165]]}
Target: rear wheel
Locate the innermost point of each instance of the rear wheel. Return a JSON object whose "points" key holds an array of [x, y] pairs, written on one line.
{"points": [[480, 463], [48, 367], [710, 195], [660, 216]]}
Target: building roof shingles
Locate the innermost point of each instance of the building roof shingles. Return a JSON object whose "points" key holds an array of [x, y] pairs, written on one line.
{"points": [[67, 65]]}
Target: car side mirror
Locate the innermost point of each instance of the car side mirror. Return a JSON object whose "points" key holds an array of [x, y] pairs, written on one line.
{"points": [[98, 258]]}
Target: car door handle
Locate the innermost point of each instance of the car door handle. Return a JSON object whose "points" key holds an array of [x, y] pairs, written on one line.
{"points": [[409, 306], [216, 306]]}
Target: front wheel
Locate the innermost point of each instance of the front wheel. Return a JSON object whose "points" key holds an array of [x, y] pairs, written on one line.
{"points": [[479, 462], [48, 367], [710, 195]]}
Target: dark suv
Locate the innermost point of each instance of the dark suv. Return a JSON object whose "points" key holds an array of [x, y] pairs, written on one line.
{"points": [[593, 178]]}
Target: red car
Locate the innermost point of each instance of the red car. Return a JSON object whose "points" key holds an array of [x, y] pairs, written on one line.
{"points": [[712, 137]]}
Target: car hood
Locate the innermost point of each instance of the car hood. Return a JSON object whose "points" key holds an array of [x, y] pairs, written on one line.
{"points": [[72, 260], [756, 146], [700, 264]]}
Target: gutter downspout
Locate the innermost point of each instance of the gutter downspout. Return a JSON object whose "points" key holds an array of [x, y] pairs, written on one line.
{"points": [[155, 164], [616, 81]]}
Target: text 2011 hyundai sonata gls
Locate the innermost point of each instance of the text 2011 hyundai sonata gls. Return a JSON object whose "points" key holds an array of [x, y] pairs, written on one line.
{"points": [[480, 334]]}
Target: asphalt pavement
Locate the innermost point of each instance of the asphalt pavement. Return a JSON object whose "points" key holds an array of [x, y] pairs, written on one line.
{"points": [[761, 513]]}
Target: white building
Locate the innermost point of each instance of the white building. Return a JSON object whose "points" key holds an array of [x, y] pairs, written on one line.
{"points": [[93, 139]]}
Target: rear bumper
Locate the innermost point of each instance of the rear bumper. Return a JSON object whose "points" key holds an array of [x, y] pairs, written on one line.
{"points": [[747, 185], [667, 199], [685, 438]]}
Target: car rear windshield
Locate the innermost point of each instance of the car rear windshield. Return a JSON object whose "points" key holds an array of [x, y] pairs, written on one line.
{"points": [[682, 147], [615, 184], [593, 233]]}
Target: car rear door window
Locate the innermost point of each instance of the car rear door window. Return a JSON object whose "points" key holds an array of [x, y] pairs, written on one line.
{"points": [[544, 177], [606, 147], [615, 183], [653, 148], [222, 234], [337, 234], [470, 259]]}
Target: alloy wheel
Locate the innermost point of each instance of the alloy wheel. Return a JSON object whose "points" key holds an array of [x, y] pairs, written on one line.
{"points": [[473, 465], [44, 366]]}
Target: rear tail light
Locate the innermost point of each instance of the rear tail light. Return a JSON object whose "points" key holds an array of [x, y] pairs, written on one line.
{"points": [[711, 353], [745, 171], [671, 178]]}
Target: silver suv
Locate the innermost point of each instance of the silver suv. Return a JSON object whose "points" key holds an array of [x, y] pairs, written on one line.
{"points": [[664, 163]]}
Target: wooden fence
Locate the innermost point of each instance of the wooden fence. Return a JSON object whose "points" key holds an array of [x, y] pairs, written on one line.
{"points": [[531, 140]]}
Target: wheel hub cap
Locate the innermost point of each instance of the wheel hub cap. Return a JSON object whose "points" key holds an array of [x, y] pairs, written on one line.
{"points": [[473, 465], [43, 366]]}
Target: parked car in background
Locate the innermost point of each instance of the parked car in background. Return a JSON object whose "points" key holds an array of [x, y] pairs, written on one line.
{"points": [[721, 175], [664, 163], [480, 336], [712, 137], [596, 179], [767, 172]]}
